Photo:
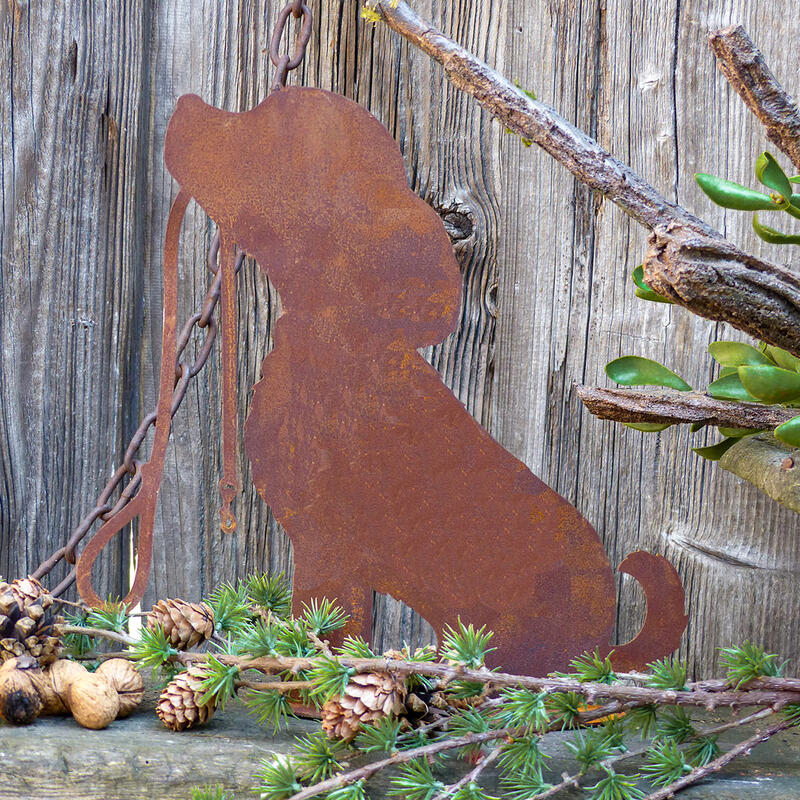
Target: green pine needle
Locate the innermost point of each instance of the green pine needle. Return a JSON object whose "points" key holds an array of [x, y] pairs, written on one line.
{"points": [[353, 791], [747, 662], [566, 708], [675, 725], [277, 779], [590, 749], [467, 722], [523, 785], [270, 708], [415, 781], [462, 690], [272, 593], [220, 682], [110, 616], [702, 750], [643, 719], [210, 793], [258, 639], [413, 739], [231, 607], [355, 647], [77, 644], [614, 731], [381, 737], [792, 713], [323, 616], [521, 754], [668, 673], [153, 648], [316, 756], [330, 677], [465, 645], [665, 764], [523, 709], [294, 642], [472, 791], [615, 786], [592, 668]]}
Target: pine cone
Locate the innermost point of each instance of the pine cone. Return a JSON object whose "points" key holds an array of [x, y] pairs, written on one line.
{"points": [[179, 706], [26, 626], [369, 696], [186, 624]]}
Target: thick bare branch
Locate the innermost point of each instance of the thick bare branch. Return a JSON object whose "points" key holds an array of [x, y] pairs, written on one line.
{"points": [[688, 261], [672, 406], [770, 465], [742, 63]]}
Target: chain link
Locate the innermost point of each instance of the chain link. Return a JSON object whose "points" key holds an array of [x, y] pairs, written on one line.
{"points": [[203, 319], [285, 63]]}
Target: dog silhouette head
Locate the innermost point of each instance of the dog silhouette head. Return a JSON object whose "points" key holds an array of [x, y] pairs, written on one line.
{"points": [[314, 187]]}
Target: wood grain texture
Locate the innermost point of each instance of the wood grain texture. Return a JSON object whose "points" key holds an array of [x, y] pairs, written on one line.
{"points": [[85, 96]]}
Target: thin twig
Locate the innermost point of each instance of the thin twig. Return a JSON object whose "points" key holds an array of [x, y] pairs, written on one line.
{"points": [[471, 776], [275, 686], [741, 749], [742, 63], [402, 757], [101, 633]]}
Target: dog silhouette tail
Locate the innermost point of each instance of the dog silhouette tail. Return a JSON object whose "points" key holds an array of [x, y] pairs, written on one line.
{"points": [[665, 621]]}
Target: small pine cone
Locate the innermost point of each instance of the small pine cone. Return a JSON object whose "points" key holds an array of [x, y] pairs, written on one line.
{"points": [[27, 627], [186, 624], [368, 697], [179, 706]]}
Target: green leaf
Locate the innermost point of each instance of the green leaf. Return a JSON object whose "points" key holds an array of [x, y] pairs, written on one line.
{"points": [[566, 706], [615, 786], [783, 358], [330, 677], [668, 673], [269, 708], [323, 616], [733, 195], [354, 791], [638, 371], [675, 725], [795, 179], [772, 235], [273, 593], [231, 607], [591, 667], [647, 427], [415, 781], [523, 709], [702, 750], [521, 754], [210, 793], [524, 785], [735, 354], [220, 684], [590, 748], [466, 723], [380, 736], [465, 645], [769, 172], [643, 290], [316, 756], [665, 764], [737, 433], [714, 452], [789, 432], [643, 719], [730, 387], [277, 779], [770, 384], [748, 661]]}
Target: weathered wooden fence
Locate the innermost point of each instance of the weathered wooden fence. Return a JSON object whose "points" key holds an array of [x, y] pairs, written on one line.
{"points": [[86, 90]]}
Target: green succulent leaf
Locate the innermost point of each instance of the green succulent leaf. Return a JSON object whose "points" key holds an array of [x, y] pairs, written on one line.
{"points": [[638, 371], [789, 432], [647, 427], [782, 358], [714, 452], [795, 179], [730, 387], [769, 172], [733, 195], [738, 433], [736, 354], [644, 291], [770, 384], [772, 235]]}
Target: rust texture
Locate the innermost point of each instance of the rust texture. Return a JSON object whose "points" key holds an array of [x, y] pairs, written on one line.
{"points": [[378, 474]]}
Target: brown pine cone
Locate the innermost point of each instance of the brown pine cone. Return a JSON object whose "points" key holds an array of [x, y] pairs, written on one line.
{"points": [[369, 697], [179, 706], [186, 624], [27, 627]]}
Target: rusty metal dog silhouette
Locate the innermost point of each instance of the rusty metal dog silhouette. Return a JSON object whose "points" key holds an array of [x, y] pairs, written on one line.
{"points": [[380, 477]]}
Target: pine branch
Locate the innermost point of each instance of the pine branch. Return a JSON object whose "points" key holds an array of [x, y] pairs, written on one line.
{"points": [[471, 776], [744, 67], [741, 749], [401, 757], [688, 261], [673, 406], [100, 633]]}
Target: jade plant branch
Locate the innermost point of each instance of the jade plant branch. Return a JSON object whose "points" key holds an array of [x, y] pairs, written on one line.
{"points": [[687, 261]]}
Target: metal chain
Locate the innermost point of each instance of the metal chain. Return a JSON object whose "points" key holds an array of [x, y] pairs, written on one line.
{"points": [[285, 63], [202, 319]]}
